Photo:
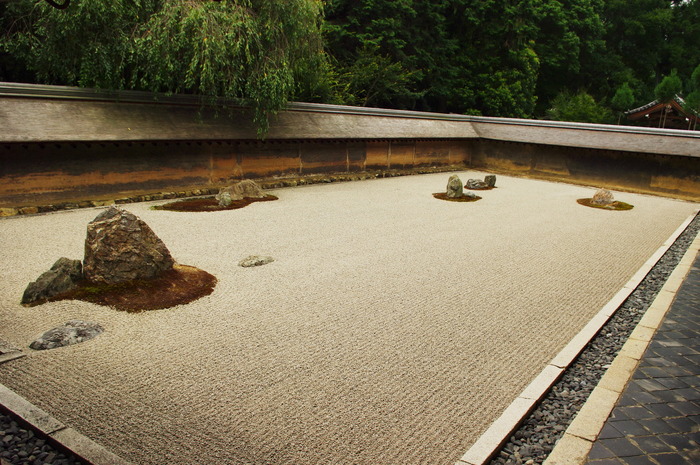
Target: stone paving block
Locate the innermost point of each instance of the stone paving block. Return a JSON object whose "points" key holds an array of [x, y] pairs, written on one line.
{"points": [[590, 420], [541, 384], [622, 447], [657, 310], [642, 333], [28, 412], [634, 348], [86, 448], [570, 450], [616, 377], [498, 432]]}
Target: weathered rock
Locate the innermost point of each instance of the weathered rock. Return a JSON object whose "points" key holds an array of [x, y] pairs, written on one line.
{"points": [[120, 247], [476, 184], [454, 187], [602, 197], [63, 276], [73, 332], [490, 180], [471, 195], [246, 188], [255, 260]]}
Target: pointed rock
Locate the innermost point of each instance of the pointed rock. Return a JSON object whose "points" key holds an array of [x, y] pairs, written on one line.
{"points": [[121, 247]]}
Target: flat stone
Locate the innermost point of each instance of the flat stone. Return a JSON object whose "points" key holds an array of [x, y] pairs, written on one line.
{"points": [[255, 260], [476, 184], [73, 332]]}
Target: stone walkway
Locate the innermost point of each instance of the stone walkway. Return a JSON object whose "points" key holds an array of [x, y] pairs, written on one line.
{"points": [[657, 418]]}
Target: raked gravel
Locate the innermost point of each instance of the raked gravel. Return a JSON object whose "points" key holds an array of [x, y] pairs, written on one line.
{"points": [[537, 436], [392, 327]]}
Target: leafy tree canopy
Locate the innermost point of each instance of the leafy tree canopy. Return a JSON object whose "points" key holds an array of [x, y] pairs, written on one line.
{"points": [[249, 50]]}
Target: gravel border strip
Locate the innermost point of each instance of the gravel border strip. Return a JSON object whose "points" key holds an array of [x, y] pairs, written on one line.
{"points": [[29, 435], [539, 431]]}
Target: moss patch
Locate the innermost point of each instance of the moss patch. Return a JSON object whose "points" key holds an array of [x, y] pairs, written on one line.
{"points": [[181, 285], [208, 204], [616, 205], [464, 198]]}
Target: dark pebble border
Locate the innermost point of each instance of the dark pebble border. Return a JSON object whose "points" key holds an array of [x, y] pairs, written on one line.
{"points": [[22, 445], [533, 442]]}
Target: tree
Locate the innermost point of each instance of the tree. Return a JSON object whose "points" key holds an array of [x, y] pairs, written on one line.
{"points": [[692, 101], [668, 88], [253, 51], [622, 100], [580, 107]]}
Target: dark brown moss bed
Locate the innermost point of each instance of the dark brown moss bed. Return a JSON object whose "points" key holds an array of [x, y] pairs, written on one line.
{"points": [[464, 198], [209, 204], [616, 205], [181, 285]]}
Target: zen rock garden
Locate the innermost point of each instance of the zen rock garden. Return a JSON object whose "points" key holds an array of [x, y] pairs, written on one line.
{"points": [[604, 200], [238, 195], [126, 267]]}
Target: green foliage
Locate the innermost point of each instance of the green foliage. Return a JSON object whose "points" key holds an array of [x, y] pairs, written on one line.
{"points": [[250, 50], [668, 88], [580, 107], [623, 98]]}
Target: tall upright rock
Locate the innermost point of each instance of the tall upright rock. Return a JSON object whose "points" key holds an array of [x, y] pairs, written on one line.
{"points": [[121, 247]]}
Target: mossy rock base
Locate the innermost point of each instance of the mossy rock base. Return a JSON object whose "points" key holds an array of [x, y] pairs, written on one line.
{"points": [[181, 285], [209, 204], [615, 206], [464, 198]]}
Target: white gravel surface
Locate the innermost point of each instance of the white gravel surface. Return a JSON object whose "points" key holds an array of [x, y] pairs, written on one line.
{"points": [[392, 327]]}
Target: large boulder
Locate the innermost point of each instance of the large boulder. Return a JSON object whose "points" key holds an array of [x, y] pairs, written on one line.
{"points": [[490, 180], [120, 247], [244, 189], [602, 197], [73, 332], [454, 187], [63, 276]]}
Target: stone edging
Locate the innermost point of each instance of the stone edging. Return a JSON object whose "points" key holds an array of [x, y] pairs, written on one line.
{"points": [[578, 439], [501, 429], [81, 446]]}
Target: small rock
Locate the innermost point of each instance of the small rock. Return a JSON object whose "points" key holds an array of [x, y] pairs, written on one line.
{"points": [[454, 187], [490, 180], [244, 189], [476, 184], [255, 260], [470, 195], [602, 197], [73, 332], [63, 276]]}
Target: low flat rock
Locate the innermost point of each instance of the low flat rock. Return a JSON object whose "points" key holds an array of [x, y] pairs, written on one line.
{"points": [[255, 260], [73, 332]]}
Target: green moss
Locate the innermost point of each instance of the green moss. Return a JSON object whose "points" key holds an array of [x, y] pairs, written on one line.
{"points": [[615, 206]]}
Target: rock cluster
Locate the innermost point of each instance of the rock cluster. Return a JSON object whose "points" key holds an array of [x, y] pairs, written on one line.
{"points": [[121, 247], [602, 197], [73, 332], [454, 187], [244, 189], [477, 184], [63, 276]]}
